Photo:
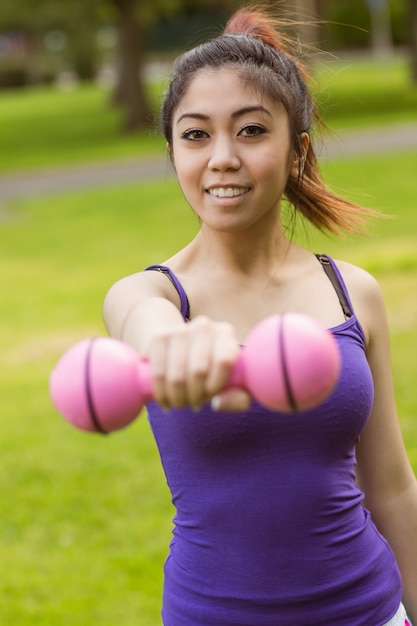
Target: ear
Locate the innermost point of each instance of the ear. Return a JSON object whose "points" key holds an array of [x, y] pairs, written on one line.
{"points": [[298, 161]]}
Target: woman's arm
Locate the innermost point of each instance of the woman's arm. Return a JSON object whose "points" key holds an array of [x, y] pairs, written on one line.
{"points": [[139, 306], [384, 472], [190, 363]]}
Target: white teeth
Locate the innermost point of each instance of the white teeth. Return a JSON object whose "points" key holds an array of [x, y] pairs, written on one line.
{"points": [[227, 192]]}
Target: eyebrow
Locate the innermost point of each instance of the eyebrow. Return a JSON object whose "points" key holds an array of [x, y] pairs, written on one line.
{"points": [[235, 114]]}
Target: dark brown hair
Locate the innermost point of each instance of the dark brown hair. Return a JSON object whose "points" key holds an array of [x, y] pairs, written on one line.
{"points": [[252, 43]]}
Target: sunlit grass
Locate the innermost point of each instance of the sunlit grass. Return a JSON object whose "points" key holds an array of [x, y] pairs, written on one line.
{"points": [[354, 92], [46, 127]]}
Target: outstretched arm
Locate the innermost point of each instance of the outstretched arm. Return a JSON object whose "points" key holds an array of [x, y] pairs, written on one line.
{"points": [[190, 363]]}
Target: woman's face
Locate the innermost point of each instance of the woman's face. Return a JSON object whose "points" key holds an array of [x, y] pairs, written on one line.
{"points": [[232, 151]]}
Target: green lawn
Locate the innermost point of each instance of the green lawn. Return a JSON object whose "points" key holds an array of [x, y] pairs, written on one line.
{"points": [[365, 92], [46, 127], [85, 520]]}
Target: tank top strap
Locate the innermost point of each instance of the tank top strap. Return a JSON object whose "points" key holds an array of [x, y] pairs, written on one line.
{"points": [[335, 277], [185, 305]]}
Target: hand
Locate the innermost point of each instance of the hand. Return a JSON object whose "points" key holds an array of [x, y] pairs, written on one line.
{"points": [[192, 364]]}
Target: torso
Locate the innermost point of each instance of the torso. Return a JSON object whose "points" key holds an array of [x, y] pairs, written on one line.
{"points": [[270, 523]]}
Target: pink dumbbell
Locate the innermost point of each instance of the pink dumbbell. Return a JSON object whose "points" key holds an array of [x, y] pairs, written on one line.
{"points": [[289, 363]]}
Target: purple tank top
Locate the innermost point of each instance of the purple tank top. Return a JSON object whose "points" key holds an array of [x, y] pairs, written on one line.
{"points": [[270, 527]]}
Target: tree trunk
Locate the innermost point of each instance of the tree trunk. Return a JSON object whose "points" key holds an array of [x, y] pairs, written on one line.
{"points": [[380, 28], [130, 92], [412, 17], [81, 22], [83, 51], [305, 12]]}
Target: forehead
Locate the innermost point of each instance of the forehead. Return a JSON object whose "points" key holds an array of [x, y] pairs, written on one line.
{"points": [[223, 91]]}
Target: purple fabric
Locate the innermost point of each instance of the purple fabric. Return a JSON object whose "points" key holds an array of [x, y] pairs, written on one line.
{"points": [[270, 527], [185, 306]]}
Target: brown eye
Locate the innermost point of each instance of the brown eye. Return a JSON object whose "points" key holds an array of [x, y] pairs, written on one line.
{"points": [[252, 130], [194, 134]]}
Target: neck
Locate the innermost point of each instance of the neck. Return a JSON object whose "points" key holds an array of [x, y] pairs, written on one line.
{"points": [[248, 252]]}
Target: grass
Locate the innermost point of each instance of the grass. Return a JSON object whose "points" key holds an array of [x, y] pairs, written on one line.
{"points": [[365, 92], [86, 520], [47, 127]]}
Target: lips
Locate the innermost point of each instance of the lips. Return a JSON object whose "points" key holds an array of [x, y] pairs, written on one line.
{"points": [[227, 192]]}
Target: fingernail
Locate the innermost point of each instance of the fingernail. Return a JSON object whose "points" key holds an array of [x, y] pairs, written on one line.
{"points": [[215, 403]]}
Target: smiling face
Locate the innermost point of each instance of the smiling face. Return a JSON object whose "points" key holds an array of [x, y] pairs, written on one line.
{"points": [[232, 151]]}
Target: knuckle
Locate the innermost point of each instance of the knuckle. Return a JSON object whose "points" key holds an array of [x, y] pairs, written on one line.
{"points": [[176, 383], [199, 371], [200, 323], [225, 327]]}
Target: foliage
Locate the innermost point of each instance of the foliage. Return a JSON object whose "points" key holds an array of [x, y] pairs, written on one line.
{"points": [[80, 20], [144, 25], [348, 23]]}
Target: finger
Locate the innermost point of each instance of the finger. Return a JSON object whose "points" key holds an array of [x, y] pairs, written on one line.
{"points": [[166, 358], [156, 356], [231, 400], [224, 353], [176, 366], [198, 365]]}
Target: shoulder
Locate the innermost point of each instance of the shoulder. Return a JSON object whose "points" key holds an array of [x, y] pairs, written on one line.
{"points": [[144, 283], [366, 296], [130, 290], [357, 278]]}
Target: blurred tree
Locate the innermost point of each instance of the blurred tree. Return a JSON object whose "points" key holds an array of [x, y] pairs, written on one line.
{"points": [[78, 19], [135, 19], [381, 35], [132, 19], [306, 14], [412, 21], [350, 25]]}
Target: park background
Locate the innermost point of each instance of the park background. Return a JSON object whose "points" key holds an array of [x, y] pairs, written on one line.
{"points": [[85, 520]]}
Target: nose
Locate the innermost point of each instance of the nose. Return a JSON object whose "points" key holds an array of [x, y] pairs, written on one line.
{"points": [[224, 155]]}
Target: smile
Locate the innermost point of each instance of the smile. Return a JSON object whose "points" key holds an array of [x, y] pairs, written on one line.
{"points": [[227, 192]]}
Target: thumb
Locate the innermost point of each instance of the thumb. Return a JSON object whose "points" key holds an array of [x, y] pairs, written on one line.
{"points": [[231, 400]]}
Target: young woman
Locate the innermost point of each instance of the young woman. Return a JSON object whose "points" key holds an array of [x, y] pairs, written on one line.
{"points": [[281, 520]]}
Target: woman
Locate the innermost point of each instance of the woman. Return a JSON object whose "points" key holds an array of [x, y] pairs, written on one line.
{"points": [[272, 526]]}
